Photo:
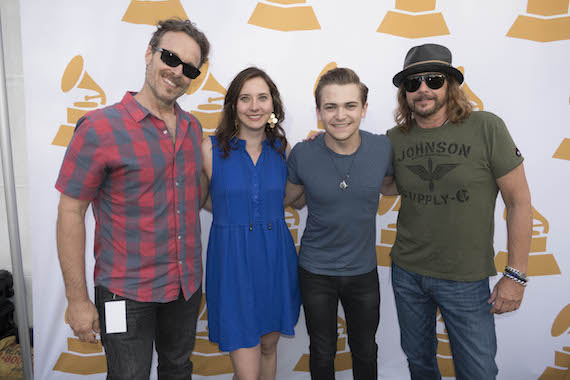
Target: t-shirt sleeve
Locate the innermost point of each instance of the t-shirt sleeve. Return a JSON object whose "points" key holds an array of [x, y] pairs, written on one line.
{"points": [[83, 168], [292, 169], [504, 155]]}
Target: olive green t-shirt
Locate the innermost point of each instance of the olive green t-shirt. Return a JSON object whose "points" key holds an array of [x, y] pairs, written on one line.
{"points": [[446, 177]]}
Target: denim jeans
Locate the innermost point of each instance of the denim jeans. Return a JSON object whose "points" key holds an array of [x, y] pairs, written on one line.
{"points": [[360, 298], [465, 311], [171, 326]]}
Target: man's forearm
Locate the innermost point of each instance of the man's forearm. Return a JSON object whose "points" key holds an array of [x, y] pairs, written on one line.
{"points": [[292, 194], [71, 254], [204, 190], [389, 186], [300, 202], [519, 229]]}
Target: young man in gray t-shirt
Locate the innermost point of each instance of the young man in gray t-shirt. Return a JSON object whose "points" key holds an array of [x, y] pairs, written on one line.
{"points": [[340, 173]]}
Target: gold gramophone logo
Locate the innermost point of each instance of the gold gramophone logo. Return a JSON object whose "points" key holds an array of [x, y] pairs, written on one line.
{"points": [[149, 12], [388, 208], [563, 151], [343, 358], [544, 21], [292, 219], [284, 15], [211, 95], [207, 359], [414, 19], [561, 368], [79, 83], [474, 99], [540, 262], [329, 67], [81, 358], [443, 354]]}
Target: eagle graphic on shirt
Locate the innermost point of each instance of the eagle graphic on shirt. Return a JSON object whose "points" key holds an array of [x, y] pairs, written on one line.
{"points": [[430, 174]]}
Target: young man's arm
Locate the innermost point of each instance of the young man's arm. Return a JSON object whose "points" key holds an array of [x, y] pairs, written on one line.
{"points": [[507, 294], [300, 202], [389, 186], [81, 312], [294, 195]]}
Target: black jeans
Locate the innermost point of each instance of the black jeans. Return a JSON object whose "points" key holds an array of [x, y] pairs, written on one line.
{"points": [[171, 326], [360, 298]]}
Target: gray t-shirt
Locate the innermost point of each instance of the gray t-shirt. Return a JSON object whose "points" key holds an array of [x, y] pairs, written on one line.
{"points": [[340, 234]]}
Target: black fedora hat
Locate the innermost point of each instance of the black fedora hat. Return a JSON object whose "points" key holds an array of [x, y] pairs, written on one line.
{"points": [[427, 58]]}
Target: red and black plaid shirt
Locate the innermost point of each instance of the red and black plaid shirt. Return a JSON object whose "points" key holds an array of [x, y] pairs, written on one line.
{"points": [[145, 195]]}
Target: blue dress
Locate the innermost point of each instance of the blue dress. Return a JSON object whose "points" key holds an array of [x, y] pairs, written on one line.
{"points": [[251, 268]]}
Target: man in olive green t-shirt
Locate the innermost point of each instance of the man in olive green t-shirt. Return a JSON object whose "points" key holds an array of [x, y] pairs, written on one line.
{"points": [[449, 163]]}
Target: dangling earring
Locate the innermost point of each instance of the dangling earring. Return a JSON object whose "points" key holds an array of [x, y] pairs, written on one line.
{"points": [[272, 120]]}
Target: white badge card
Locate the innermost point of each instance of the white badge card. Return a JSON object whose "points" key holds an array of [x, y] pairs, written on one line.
{"points": [[115, 317]]}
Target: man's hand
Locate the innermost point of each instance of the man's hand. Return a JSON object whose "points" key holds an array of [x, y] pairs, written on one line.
{"points": [[507, 296], [84, 320], [313, 136]]}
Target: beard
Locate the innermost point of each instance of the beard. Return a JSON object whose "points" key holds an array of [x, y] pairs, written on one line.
{"points": [[426, 112], [154, 78]]}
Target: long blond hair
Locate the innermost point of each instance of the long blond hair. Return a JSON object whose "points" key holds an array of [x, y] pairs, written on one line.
{"points": [[458, 105]]}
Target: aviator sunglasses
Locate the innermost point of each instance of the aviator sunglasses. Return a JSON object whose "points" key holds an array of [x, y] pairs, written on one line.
{"points": [[433, 81], [172, 60]]}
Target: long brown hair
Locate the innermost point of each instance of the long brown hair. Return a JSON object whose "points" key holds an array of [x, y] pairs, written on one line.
{"points": [[227, 128], [458, 106]]}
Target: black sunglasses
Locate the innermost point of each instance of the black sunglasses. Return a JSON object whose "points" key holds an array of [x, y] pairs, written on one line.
{"points": [[433, 81], [172, 60]]}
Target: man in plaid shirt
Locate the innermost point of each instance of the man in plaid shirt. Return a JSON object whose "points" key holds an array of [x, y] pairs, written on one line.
{"points": [[138, 163]]}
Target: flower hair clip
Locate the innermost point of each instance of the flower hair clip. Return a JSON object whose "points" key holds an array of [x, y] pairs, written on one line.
{"points": [[272, 120]]}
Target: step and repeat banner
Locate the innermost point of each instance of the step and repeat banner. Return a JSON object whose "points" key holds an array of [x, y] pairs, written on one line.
{"points": [[515, 54]]}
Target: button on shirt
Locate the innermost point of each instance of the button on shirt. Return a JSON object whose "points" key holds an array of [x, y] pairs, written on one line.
{"points": [[145, 194]]}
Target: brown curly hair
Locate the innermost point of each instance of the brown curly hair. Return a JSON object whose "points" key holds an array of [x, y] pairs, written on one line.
{"points": [[458, 106], [227, 128]]}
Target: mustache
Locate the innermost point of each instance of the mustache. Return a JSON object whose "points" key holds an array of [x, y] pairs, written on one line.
{"points": [[425, 97], [173, 78]]}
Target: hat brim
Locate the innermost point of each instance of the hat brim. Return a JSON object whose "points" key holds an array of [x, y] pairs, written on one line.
{"points": [[426, 68]]}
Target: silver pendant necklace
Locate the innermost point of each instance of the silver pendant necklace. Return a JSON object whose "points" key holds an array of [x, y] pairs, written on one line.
{"points": [[344, 179]]}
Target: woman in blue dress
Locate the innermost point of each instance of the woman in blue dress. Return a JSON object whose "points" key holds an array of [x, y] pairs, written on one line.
{"points": [[252, 291]]}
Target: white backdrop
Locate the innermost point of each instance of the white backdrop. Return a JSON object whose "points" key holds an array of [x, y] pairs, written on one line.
{"points": [[80, 55]]}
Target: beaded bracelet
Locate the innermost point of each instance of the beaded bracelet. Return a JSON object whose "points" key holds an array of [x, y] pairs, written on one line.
{"points": [[524, 279], [512, 274], [514, 278], [516, 272]]}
